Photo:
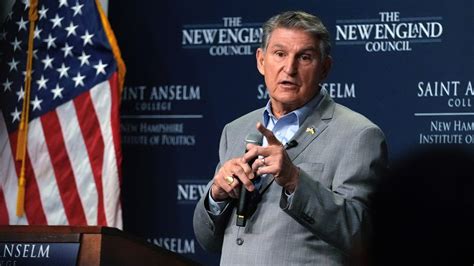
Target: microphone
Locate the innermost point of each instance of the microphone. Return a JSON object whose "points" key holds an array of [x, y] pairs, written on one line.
{"points": [[242, 207], [290, 144]]}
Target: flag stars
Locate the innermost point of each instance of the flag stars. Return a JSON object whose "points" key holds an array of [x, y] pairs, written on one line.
{"points": [[63, 71], [84, 58], [16, 115], [87, 38], [9, 16], [79, 80], [56, 21], [42, 82], [3, 35], [50, 41], [57, 92], [42, 12], [49, 84], [29, 73], [22, 24], [35, 53], [71, 29], [48, 62], [36, 103], [16, 44], [13, 64], [77, 9], [26, 3], [37, 33], [7, 85], [100, 68], [67, 50], [21, 94], [63, 3]]}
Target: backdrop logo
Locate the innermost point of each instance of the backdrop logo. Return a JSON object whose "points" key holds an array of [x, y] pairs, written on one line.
{"points": [[189, 191], [447, 113], [337, 90], [389, 32], [175, 244], [149, 110], [232, 37], [457, 93]]}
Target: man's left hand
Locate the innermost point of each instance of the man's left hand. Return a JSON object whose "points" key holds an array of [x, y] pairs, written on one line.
{"points": [[274, 160]]}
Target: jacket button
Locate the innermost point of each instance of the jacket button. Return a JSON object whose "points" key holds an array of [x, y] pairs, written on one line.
{"points": [[307, 218], [239, 241]]}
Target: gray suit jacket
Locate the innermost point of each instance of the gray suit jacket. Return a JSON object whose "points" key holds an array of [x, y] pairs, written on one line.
{"points": [[339, 165]]}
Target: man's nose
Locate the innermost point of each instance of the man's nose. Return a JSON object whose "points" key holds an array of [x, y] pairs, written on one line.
{"points": [[291, 65]]}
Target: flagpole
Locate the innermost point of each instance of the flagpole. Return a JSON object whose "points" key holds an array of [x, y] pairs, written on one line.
{"points": [[23, 128], [115, 49]]}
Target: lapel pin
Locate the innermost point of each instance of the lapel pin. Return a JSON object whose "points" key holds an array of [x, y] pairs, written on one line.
{"points": [[310, 130]]}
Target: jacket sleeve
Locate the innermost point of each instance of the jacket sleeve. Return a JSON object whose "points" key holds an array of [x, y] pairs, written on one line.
{"points": [[209, 228], [339, 214]]}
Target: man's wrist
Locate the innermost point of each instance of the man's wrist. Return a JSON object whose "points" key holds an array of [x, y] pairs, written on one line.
{"points": [[213, 196], [215, 206]]}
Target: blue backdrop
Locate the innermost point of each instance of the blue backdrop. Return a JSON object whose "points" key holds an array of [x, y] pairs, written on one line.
{"points": [[408, 66]]}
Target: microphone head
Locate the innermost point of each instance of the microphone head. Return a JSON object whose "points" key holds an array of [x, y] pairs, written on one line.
{"points": [[254, 138]]}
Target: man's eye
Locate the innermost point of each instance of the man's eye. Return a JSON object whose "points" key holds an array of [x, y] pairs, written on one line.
{"points": [[306, 57], [279, 54]]}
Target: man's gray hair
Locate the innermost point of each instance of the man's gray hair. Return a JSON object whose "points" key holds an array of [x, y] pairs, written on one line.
{"points": [[298, 20]]}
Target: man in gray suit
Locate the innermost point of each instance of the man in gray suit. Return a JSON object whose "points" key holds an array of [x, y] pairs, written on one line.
{"points": [[312, 178]]}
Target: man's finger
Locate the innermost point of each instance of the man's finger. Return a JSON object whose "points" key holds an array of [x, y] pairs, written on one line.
{"points": [[272, 140], [245, 182]]}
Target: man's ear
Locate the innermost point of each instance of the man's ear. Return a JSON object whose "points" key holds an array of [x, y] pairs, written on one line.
{"points": [[326, 67], [260, 60]]}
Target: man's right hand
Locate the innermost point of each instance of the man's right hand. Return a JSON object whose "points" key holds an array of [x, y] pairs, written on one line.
{"points": [[237, 171]]}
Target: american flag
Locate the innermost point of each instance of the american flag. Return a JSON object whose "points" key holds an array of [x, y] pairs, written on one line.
{"points": [[73, 154]]}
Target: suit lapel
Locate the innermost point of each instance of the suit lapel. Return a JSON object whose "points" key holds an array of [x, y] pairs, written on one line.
{"points": [[313, 126]]}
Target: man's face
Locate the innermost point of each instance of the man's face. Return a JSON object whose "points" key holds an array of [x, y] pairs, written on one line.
{"points": [[292, 68]]}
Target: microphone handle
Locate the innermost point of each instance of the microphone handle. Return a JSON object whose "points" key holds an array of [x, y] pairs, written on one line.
{"points": [[243, 202], [242, 205]]}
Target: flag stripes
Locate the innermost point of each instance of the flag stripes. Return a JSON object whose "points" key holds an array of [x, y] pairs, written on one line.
{"points": [[9, 179], [70, 180], [95, 146], [34, 209], [41, 163], [77, 151], [110, 129]]}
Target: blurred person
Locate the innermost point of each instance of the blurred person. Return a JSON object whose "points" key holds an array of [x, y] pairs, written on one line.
{"points": [[423, 210]]}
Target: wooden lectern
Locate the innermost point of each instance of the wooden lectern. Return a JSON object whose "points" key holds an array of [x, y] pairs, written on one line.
{"points": [[83, 245]]}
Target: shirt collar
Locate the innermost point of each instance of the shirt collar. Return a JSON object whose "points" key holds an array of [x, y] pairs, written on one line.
{"points": [[301, 113]]}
